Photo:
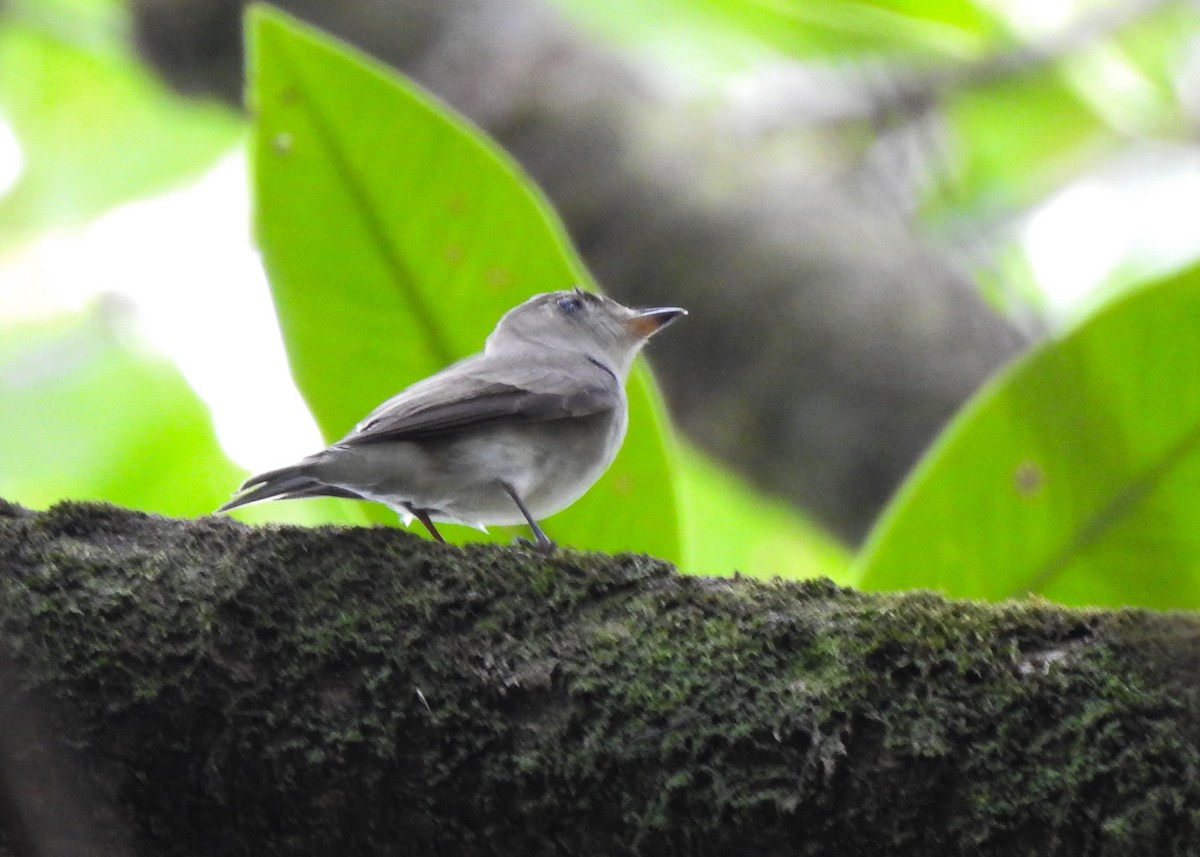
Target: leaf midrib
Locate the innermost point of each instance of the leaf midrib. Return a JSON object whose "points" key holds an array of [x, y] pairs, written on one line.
{"points": [[1113, 512], [376, 230]]}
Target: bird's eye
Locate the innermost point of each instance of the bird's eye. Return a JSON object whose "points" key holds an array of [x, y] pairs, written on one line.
{"points": [[569, 306]]}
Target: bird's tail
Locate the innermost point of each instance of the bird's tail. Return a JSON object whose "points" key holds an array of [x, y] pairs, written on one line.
{"points": [[286, 483]]}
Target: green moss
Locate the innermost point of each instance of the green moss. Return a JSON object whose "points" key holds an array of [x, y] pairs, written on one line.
{"points": [[346, 688]]}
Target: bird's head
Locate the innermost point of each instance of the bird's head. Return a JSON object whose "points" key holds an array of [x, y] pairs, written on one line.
{"points": [[581, 322]]}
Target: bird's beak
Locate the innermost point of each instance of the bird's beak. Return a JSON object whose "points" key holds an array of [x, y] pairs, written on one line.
{"points": [[650, 321]]}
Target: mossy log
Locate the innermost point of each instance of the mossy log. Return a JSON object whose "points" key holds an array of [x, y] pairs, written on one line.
{"points": [[207, 688]]}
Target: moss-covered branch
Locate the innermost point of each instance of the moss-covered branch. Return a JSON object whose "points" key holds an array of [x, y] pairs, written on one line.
{"points": [[209, 688]]}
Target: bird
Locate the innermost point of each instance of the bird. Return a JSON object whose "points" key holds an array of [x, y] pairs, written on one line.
{"points": [[510, 435]]}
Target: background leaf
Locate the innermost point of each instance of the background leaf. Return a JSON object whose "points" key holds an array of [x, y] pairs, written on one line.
{"points": [[1076, 475], [729, 32], [1001, 164], [730, 527], [395, 237], [86, 415]]}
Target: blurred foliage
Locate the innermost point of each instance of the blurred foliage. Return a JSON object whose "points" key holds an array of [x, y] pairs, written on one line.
{"points": [[978, 111], [95, 127], [729, 35], [1075, 475], [85, 414], [1040, 151]]}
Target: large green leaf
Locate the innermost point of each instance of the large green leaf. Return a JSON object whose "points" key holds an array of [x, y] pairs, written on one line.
{"points": [[726, 33], [728, 527], [395, 235], [1075, 475]]}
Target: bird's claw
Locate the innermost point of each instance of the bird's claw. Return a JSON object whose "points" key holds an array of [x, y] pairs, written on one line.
{"points": [[546, 546]]}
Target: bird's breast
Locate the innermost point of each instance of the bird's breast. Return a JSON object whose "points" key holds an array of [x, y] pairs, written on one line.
{"points": [[457, 477], [571, 456]]}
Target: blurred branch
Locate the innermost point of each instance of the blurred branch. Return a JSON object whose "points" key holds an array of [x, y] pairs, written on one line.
{"points": [[1087, 30], [362, 691]]}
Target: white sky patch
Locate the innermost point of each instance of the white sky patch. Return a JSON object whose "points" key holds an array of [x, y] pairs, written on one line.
{"points": [[1036, 17], [1075, 240], [185, 261], [12, 159], [1166, 206], [1136, 220]]}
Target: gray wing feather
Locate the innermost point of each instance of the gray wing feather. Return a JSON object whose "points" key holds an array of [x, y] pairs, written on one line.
{"points": [[484, 390]]}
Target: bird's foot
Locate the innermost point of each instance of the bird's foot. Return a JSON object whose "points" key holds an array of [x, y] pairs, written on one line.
{"points": [[539, 545]]}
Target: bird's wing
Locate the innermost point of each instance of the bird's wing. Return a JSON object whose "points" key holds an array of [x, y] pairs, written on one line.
{"points": [[482, 390]]}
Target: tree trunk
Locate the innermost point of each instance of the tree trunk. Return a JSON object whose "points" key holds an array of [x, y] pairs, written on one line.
{"points": [[206, 688]]}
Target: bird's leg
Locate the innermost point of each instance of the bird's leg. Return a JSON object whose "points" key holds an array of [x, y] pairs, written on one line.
{"points": [[423, 516], [543, 543]]}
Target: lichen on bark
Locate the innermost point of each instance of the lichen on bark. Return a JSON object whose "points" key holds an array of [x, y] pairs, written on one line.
{"points": [[223, 689]]}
